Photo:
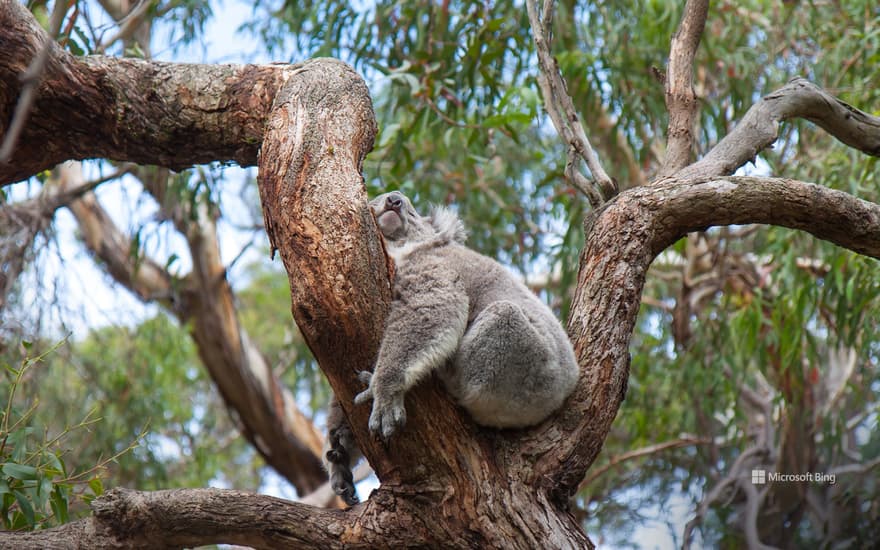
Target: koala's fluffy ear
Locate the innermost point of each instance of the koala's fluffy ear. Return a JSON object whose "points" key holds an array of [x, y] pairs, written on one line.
{"points": [[448, 225]]}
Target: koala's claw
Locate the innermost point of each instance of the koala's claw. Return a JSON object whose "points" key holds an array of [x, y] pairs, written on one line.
{"points": [[335, 456], [387, 419]]}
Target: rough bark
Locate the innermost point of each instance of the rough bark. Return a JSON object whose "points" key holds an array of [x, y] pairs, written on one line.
{"points": [[623, 240], [170, 114], [182, 518], [681, 100], [317, 218]]}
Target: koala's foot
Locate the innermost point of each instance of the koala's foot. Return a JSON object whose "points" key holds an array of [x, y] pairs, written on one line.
{"points": [[339, 468], [388, 417], [342, 482], [340, 454]]}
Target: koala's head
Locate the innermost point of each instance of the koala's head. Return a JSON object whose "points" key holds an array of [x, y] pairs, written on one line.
{"points": [[400, 223], [397, 218]]}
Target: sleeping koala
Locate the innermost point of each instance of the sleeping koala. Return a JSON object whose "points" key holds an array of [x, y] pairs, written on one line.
{"points": [[499, 350]]}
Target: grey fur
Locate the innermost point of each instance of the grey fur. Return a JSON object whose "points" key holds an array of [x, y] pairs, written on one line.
{"points": [[499, 350]]}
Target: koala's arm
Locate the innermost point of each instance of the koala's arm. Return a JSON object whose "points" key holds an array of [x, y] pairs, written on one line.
{"points": [[428, 317]]}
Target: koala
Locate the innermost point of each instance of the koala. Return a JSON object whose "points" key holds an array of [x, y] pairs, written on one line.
{"points": [[499, 350]]}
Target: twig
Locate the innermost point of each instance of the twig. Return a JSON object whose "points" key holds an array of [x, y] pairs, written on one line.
{"points": [[127, 25], [644, 451], [560, 108], [856, 468], [681, 101], [30, 79]]}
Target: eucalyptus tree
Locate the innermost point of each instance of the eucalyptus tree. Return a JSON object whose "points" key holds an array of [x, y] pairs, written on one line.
{"points": [[755, 349]]}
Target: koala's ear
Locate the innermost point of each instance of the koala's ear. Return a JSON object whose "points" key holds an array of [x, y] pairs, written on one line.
{"points": [[448, 225]]}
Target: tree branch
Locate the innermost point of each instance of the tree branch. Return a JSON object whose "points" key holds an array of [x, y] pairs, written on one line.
{"points": [[94, 106], [29, 81], [642, 222], [268, 416], [144, 277], [759, 128], [681, 101], [860, 469], [559, 106], [190, 517], [737, 471], [642, 452]]}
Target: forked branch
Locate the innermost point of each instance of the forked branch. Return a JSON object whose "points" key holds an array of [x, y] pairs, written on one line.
{"points": [[560, 108], [611, 279]]}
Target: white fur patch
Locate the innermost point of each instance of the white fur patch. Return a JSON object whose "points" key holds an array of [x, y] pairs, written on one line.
{"points": [[448, 225], [399, 253]]}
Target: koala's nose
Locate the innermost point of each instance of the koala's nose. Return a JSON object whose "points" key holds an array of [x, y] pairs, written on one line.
{"points": [[394, 201]]}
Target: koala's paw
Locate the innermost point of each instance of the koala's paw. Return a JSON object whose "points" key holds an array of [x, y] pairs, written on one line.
{"points": [[388, 417]]}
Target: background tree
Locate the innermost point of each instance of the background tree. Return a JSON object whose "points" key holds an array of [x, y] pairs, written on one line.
{"points": [[755, 348]]}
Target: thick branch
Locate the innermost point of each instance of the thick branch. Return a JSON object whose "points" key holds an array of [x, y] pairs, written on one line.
{"points": [[640, 223], [828, 214], [191, 517], [681, 101], [316, 215], [175, 115], [759, 127]]}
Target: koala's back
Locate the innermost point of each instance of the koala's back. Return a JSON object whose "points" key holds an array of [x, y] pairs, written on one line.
{"points": [[515, 364]]}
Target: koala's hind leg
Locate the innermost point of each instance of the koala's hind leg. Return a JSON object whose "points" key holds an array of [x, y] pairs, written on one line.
{"points": [[340, 454], [505, 372]]}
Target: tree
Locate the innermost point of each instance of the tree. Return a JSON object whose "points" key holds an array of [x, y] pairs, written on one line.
{"points": [[313, 125]]}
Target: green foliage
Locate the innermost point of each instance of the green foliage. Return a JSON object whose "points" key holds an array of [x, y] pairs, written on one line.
{"points": [[36, 488], [456, 104], [145, 384]]}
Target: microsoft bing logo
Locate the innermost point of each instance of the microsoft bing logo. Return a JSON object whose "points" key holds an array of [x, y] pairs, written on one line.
{"points": [[759, 477]]}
